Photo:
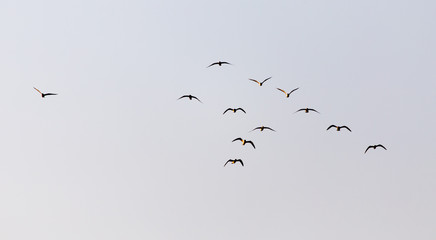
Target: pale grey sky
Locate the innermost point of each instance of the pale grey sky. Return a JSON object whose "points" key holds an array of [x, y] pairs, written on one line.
{"points": [[116, 156]]}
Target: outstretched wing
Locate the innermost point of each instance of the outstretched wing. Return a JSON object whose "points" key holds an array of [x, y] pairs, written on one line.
{"points": [[236, 139], [269, 128], [346, 128], [303, 109], [37, 90], [215, 63], [368, 148], [250, 142], [282, 90], [197, 99], [266, 80], [311, 109], [226, 63], [230, 160], [254, 80], [240, 109], [256, 128], [331, 126], [183, 97], [293, 90], [239, 160], [48, 94], [379, 145], [228, 109]]}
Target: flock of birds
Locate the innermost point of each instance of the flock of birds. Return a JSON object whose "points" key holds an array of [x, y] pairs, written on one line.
{"points": [[234, 110]]}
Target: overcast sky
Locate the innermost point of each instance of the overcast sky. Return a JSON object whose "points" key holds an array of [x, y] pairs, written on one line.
{"points": [[115, 155]]}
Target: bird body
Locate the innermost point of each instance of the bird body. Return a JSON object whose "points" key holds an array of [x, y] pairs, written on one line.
{"points": [[260, 83], [233, 161], [219, 63], [288, 94], [375, 146], [44, 94], [244, 141], [306, 110], [338, 128], [190, 97], [234, 110]]}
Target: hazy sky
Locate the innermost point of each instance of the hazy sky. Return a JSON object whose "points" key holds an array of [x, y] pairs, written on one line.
{"points": [[116, 156]]}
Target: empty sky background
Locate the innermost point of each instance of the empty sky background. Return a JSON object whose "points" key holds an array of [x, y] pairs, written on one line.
{"points": [[116, 156]]}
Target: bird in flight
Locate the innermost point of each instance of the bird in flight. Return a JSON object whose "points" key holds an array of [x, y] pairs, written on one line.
{"points": [[338, 128], [260, 83], [44, 94], [233, 161], [219, 63], [190, 97], [375, 146], [234, 110], [261, 128], [307, 110], [244, 142], [287, 94]]}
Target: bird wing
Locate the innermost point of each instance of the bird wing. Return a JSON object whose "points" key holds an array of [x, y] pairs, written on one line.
{"points": [[269, 128], [227, 110], [197, 99], [266, 80], [240, 109], [346, 128], [215, 63], [182, 97], [311, 109], [293, 90], [379, 145], [256, 129], [282, 90], [236, 139], [254, 80], [37, 90], [368, 148], [250, 142], [331, 126], [239, 160], [226, 63], [230, 160], [303, 109], [48, 94]]}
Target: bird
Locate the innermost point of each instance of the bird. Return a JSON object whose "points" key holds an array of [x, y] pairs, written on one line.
{"points": [[219, 63], [375, 146], [307, 110], [287, 94], [338, 128], [234, 110], [262, 128], [244, 142], [190, 97], [44, 94], [260, 83], [233, 161]]}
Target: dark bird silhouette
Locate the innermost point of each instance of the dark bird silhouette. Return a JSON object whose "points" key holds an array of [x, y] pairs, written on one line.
{"points": [[190, 97], [338, 128], [244, 142], [234, 110], [260, 83], [233, 161], [262, 128], [288, 94], [375, 146], [44, 94], [219, 63], [307, 110]]}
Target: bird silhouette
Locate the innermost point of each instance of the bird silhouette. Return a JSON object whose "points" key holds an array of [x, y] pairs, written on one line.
{"points": [[219, 63], [233, 161], [234, 110], [306, 110], [244, 142], [338, 128], [288, 94], [190, 97], [261, 128], [44, 94], [375, 146], [260, 83]]}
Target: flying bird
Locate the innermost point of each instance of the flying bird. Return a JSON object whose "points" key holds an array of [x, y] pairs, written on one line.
{"points": [[338, 128], [288, 94], [307, 110], [260, 83], [219, 63], [234, 110], [375, 146], [233, 161], [190, 97], [244, 142], [44, 94], [261, 128]]}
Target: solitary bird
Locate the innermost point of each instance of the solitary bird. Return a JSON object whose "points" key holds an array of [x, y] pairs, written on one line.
{"points": [[219, 63], [244, 142], [261, 128], [338, 128], [375, 146], [307, 110], [287, 94], [190, 97], [233, 161], [44, 94], [234, 110], [260, 83]]}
